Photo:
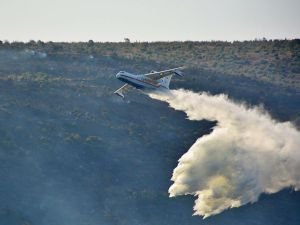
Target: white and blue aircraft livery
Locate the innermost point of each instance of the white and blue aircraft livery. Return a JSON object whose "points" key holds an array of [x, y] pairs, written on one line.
{"points": [[152, 80]]}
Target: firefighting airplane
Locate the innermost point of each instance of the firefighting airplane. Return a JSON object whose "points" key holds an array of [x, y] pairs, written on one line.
{"points": [[152, 80]]}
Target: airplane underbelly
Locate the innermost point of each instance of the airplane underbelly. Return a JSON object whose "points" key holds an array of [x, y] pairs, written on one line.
{"points": [[139, 84]]}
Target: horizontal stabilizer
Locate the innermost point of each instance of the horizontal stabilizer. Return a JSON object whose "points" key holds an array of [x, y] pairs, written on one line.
{"points": [[178, 73]]}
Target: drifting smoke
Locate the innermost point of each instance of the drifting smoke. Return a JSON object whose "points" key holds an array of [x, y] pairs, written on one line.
{"points": [[247, 153]]}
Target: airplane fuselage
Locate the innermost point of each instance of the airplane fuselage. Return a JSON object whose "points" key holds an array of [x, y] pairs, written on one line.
{"points": [[138, 81], [153, 80]]}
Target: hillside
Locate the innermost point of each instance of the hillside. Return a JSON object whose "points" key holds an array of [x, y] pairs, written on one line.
{"points": [[71, 152], [272, 61]]}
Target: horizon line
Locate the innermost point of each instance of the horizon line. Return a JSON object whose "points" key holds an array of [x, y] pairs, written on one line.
{"points": [[146, 41]]}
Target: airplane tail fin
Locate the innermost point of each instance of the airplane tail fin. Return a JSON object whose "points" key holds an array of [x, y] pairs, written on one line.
{"points": [[165, 81]]}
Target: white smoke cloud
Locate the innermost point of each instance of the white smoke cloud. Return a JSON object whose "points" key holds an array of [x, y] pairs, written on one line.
{"points": [[247, 153]]}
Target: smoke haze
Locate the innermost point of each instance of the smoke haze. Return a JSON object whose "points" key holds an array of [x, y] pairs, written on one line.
{"points": [[247, 154]]}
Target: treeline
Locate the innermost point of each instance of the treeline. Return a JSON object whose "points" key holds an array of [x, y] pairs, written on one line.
{"points": [[274, 61]]}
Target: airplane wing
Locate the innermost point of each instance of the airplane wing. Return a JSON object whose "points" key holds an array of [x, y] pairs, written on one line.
{"points": [[122, 90], [164, 73]]}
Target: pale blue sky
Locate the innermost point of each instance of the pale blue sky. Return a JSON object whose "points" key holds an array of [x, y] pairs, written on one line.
{"points": [[152, 20]]}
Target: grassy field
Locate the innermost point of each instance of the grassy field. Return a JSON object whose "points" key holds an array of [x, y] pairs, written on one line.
{"points": [[72, 152]]}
